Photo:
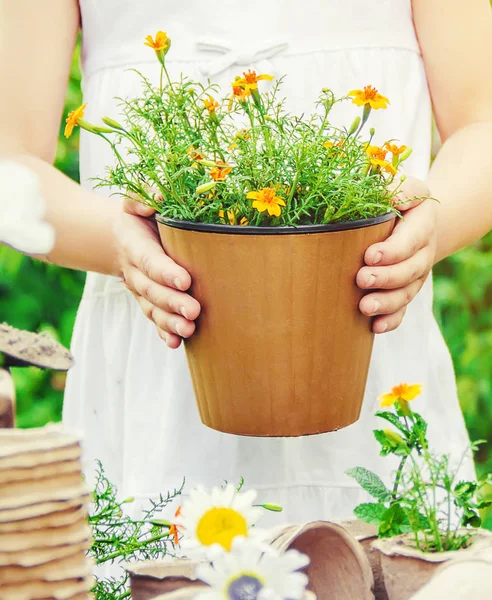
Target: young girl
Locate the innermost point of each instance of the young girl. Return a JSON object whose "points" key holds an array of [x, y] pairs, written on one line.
{"points": [[130, 390]]}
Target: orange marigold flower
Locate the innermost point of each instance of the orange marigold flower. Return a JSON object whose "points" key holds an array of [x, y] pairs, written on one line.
{"points": [[376, 152], [160, 43], [221, 172], [239, 93], [73, 119], [395, 150], [173, 530], [265, 199], [195, 154], [210, 104], [250, 80], [404, 392], [369, 96]]}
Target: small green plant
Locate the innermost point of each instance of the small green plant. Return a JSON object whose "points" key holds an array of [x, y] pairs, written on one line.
{"points": [[244, 160], [426, 499], [118, 538]]}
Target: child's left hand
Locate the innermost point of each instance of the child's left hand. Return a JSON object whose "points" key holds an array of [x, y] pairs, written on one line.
{"points": [[397, 268]]}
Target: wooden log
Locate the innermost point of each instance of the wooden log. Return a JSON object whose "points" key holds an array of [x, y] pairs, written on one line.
{"points": [[7, 400]]}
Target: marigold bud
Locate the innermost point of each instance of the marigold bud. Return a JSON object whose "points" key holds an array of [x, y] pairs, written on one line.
{"points": [[272, 507], [354, 126], [205, 187], [394, 437], [404, 155], [112, 123]]}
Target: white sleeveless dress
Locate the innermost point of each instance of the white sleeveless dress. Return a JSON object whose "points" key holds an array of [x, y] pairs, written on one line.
{"points": [[132, 396]]}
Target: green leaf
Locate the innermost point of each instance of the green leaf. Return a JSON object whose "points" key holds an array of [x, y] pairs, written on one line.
{"points": [[394, 521], [370, 482], [471, 518], [394, 420], [419, 431], [465, 490], [370, 512]]}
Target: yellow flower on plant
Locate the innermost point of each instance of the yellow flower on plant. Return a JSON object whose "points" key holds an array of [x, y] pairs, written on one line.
{"points": [[395, 150], [266, 200], [404, 392], [73, 119], [217, 517], [377, 158], [160, 44], [369, 96], [232, 215], [221, 172], [195, 153], [376, 152], [161, 41], [250, 79], [210, 104], [328, 145], [384, 164]]}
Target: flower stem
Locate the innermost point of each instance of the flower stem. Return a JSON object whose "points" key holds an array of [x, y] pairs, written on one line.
{"points": [[398, 477]]}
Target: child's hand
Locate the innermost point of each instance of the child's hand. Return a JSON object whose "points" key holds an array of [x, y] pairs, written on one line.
{"points": [[401, 264], [156, 281]]}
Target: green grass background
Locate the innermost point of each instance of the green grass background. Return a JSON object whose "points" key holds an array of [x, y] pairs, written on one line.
{"points": [[37, 297]]}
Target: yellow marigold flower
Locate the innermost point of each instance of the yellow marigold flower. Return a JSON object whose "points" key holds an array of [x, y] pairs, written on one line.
{"points": [[161, 41], [160, 44], [239, 93], [376, 152], [328, 145], [404, 392], [232, 214], [194, 153], [73, 119], [395, 150], [369, 96], [210, 104], [250, 80], [384, 164], [221, 172], [265, 199]]}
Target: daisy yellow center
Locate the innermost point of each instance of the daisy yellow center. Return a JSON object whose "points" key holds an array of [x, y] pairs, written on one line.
{"points": [[220, 525]]}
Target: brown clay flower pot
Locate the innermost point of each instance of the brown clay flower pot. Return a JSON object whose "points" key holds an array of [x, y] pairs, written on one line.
{"points": [[338, 566], [406, 569], [280, 348], [149, 579], [366, 535], [461, 579]]}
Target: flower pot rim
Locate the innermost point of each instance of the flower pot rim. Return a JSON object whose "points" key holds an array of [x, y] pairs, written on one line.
{"points": [[269, 230], [398, 546]]}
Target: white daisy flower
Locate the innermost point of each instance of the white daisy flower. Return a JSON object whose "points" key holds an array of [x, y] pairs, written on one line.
{"points": [[217, 517], [22, 208], [249, 572]]}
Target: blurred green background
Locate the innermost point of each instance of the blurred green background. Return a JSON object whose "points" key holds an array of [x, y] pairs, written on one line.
{"points": [[36, 296]]}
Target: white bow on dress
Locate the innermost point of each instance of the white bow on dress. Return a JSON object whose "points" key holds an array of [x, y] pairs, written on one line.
{"points": [[233, 53]]}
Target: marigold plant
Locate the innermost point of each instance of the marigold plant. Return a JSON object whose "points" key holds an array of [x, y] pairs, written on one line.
{"points": [[243, 159], [426, 499]]}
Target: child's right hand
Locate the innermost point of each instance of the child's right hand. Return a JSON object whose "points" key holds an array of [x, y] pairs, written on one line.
{"points": [[157, 282]]}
